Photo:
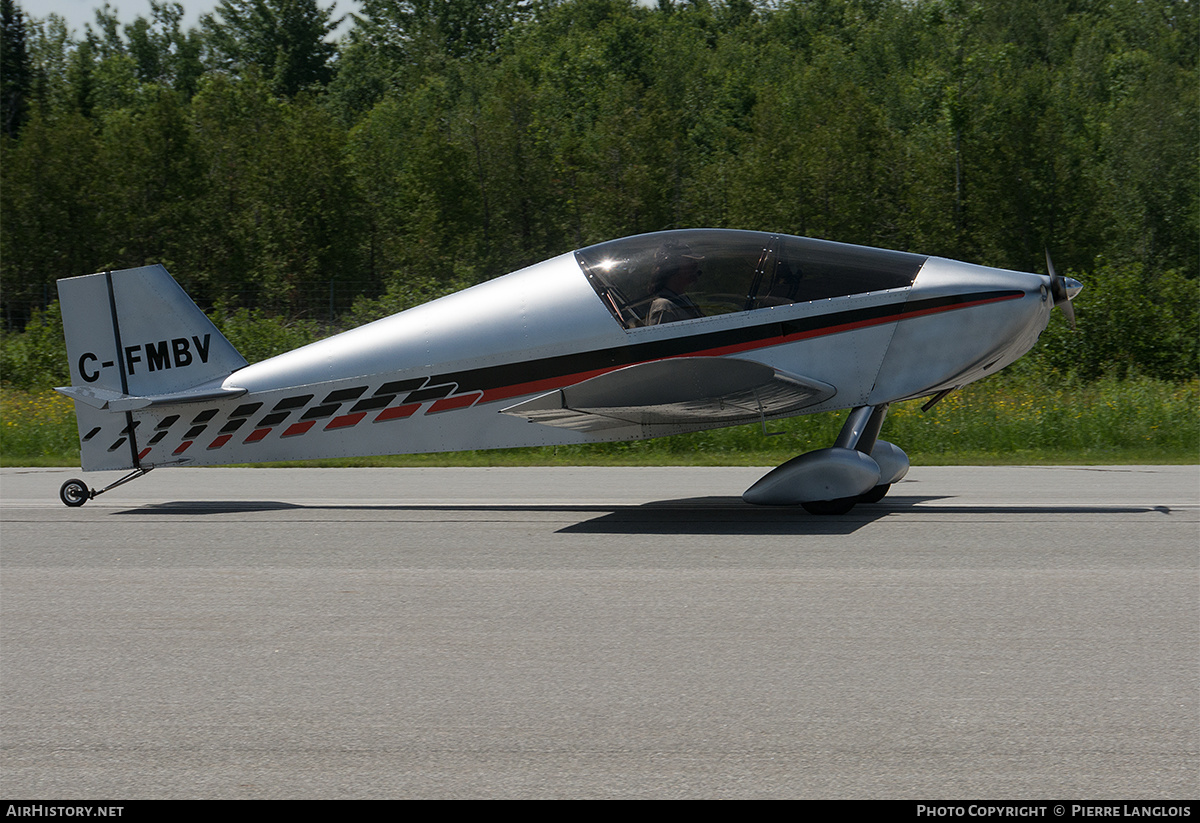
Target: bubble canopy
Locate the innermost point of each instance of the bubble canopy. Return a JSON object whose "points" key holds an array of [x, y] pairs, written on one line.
{"points": [[677, 275]]}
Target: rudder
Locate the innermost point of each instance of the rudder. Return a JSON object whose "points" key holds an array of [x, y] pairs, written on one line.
{"points": [[132, 336]]}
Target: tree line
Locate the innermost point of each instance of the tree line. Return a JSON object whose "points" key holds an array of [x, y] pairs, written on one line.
{"points": [[439, 143]]}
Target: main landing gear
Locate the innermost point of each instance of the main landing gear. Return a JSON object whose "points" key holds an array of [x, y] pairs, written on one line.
{"points": [[858, 468], [843, 505], [75, 493]]}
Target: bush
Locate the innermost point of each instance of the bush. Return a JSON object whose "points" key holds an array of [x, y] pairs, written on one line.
{"points": [[258, 336], [1129, 323], [36, 358]]}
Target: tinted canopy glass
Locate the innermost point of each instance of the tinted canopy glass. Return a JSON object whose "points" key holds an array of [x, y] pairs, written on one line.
{"points": [[679, 275]]}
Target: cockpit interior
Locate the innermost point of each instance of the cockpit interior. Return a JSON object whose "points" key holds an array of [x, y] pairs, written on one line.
{"points": [[680, 275]]}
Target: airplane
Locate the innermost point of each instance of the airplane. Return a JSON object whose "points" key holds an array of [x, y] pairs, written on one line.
{"points": [[650, 335]]}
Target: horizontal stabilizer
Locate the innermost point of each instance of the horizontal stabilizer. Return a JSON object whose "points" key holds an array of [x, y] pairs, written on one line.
{"points": [[108, 400], [677, 391]]}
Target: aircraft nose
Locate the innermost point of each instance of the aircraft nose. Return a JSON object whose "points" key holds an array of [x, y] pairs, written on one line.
{"points": [[1072, 287], [1063, 289]]}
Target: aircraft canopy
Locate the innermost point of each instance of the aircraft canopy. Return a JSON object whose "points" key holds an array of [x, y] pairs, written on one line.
{"points": [[678, 275]]}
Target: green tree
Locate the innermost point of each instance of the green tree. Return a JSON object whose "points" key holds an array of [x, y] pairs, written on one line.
{"points": [[163, 52], [277, 216], [418, 190], [1130, 322], [48, 201], [16, 72], [285, 40], [411, 30], [153, 176], [822, 161]]}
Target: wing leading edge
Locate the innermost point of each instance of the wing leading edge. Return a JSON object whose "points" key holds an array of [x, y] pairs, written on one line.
{"points": [[676, 391]]}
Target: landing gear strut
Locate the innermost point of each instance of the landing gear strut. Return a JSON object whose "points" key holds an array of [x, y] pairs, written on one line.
{"points": [[75, 493]]}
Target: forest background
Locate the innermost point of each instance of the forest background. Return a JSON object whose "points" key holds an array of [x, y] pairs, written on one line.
{"points": [[297, 186]]}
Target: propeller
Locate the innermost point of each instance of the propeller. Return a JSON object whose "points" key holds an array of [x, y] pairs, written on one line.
{"points": [[1063, 290]]}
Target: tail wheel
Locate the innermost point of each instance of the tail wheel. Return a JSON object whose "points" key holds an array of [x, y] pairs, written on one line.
{"points": [[74, 493]]}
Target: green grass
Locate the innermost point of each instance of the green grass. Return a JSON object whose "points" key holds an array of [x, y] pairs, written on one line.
{"points": [[37, 429], [1006, 420]]}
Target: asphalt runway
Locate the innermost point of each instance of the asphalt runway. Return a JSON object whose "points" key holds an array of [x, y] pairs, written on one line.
{"points": [[982, 633]]}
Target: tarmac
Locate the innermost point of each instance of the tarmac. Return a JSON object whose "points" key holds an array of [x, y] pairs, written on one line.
{"points": [[997, 632]]}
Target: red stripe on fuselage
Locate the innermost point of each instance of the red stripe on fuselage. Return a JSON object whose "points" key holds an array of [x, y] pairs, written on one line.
{"points": [[459, 401], [345, 420], [298, 428], [397, 412], [551, 383]]}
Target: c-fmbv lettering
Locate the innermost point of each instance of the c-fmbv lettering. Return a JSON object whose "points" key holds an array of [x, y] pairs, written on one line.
{"points": [[166, 354]]}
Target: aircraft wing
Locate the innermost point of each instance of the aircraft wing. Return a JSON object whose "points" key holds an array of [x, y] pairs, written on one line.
{"points": [[675, 391]]}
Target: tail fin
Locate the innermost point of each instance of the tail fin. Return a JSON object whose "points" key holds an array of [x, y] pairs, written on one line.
{"points": [[135, 339]]}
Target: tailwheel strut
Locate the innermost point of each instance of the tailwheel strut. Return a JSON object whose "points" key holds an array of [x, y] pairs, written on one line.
{"points": [[75, 493]]}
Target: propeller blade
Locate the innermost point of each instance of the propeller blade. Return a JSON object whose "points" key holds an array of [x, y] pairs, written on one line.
{"points": [[1063, 289]]}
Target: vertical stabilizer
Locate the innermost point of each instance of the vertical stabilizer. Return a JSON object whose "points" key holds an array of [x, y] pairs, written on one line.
{"points": [[134, 334]]}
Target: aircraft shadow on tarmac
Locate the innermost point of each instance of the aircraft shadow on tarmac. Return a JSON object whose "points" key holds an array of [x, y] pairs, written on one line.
{"points": [[697, 515], [194, 507], [729, 515], [725, 515]]}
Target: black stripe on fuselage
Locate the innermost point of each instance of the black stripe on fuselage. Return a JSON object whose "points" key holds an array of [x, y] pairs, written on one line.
{"points": [[749, 337]]}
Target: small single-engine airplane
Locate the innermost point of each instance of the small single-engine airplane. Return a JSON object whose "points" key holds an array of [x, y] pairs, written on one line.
{"points": [[651, 335]]}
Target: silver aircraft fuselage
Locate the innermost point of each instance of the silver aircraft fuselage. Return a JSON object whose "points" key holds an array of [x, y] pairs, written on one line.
{"points": [[531, 358]]}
